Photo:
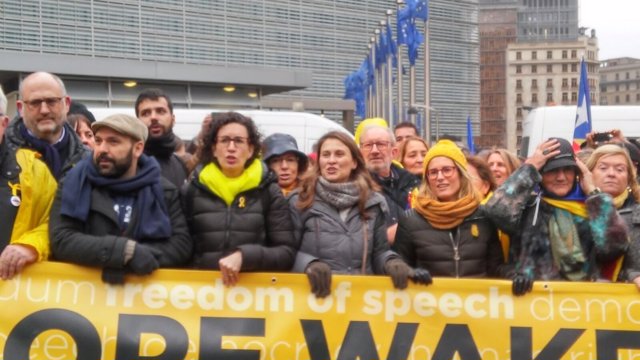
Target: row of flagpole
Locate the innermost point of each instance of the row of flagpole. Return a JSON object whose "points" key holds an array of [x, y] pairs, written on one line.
{"points": [[372, 85]]}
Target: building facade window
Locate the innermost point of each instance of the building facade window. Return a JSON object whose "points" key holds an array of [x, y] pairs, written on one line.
{"points": [[574, 54], [565, 68], [518, 55], [565, 97], [574, 67], [534, 98], [564, 54], [534, 84], [549, 54], [518, 69], [518, 84], [549, 83], [574, 96], [534, 69], [534, 56], [549, 68], [549, 97], [565, 82], [574, 82]]}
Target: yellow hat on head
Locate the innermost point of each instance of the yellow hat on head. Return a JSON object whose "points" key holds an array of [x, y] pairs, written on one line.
{"points": [[446, 148], [368, 122]]}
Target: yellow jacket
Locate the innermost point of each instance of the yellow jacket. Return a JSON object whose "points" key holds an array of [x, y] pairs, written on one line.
{"points": [[37, 188]]}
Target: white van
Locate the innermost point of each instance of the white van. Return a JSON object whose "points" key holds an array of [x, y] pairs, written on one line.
{"points": [[306, 128], [559, 121]]}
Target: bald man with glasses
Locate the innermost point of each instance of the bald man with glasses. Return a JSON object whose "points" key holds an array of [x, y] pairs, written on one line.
{"points": [[42, 125], [377, 145]]}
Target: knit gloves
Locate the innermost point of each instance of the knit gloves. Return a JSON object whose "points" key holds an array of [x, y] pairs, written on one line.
{"points": [[319, 274], [143, 262], [400, 272]]}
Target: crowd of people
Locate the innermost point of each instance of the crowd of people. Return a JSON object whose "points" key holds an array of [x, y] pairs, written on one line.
{"points": [[122, 194]]}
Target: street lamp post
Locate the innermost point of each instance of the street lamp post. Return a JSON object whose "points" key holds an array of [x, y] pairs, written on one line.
{"points": [[427, 121]]}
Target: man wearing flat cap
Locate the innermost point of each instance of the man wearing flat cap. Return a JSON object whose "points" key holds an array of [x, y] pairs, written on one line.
{"points": [[562, 227], [281, 154], [115, 211]]}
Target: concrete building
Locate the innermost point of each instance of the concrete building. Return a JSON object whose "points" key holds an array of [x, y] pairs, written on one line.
{"points": [[620, 81], [547, 73], [231, 54], [497, 22]]}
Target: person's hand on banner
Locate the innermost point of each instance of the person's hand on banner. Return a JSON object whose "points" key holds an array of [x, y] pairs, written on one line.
{"points": [[319, 275]]}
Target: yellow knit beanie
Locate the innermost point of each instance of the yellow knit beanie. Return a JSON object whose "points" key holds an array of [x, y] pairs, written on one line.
{"points": [[368, 122], [446, 148]]}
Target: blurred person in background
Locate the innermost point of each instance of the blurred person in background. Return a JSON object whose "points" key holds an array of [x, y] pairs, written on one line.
{"points": [[80, 119], [502, 164], [412, 152]]}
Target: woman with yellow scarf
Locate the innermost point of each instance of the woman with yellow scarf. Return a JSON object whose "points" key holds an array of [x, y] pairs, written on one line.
{"points": [[447, 232], [557, 232], [238, 218], [615, 174]]}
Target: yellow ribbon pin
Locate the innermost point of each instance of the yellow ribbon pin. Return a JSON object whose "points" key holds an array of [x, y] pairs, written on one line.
{"points": [[241, 202], [14, 188], [474, 230]]}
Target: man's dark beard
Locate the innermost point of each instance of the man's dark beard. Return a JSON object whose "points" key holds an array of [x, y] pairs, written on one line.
{"points": [[119, 167]]}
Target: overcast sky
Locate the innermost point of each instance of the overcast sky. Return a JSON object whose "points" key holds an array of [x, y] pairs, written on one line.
{"points": [[617, 26]]}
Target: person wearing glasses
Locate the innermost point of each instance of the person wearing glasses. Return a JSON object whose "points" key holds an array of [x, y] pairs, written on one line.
{"points": [[238, 218], [25, 200], [377, 145], [561, 225], [447, 232], [42, 127]]}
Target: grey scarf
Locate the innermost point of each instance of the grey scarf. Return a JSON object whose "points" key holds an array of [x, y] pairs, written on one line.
{"points": [[340, 195]]}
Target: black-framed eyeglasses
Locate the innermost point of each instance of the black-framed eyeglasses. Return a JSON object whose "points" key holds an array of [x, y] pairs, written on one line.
{"points": [[51, 102], [447, 171], [236, 140]]}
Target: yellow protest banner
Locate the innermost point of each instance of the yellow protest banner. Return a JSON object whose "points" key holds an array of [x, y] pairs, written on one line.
{"points": [[58, 311]]}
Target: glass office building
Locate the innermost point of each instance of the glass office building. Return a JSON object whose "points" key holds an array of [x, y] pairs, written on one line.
{"points": [[279, 50]]}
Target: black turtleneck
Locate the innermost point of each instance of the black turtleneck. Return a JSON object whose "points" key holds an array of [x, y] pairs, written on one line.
{"points": [[162, 148]]}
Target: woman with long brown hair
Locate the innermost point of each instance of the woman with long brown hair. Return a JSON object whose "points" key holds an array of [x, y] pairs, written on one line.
{"points": [[340, 218]]}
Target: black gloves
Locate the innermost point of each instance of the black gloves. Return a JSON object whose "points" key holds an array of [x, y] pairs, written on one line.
{"points": [[400, 272], [113, 276], [521, 284], [421, 276], [144, 260], [319, 274]]}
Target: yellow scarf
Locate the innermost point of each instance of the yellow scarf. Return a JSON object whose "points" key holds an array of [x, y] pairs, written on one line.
{"points": [[446, 215], [619, 200], [577, 208], [228, 188]]}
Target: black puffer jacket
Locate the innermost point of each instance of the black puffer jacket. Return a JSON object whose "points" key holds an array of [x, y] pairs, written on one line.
{"points": [[257, 223], [422, 245], [99, 241]]}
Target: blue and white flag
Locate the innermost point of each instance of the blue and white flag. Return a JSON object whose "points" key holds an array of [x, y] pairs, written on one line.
{"points": [[583, 113]]}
